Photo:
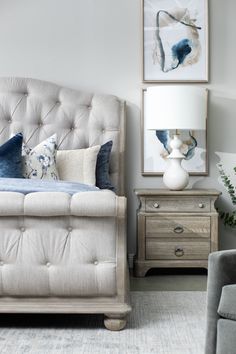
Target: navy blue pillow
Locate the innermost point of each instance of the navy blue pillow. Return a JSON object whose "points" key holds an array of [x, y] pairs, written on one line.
{"points": [[102, 167], [10, 157]]}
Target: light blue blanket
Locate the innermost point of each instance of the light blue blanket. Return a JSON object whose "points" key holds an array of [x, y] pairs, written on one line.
{"points": [[26, 186]]}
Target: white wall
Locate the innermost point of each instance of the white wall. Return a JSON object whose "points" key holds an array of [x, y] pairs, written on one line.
{"points": [[95, 45]]}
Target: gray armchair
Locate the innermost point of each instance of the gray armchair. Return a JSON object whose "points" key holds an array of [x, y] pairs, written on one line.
{"points": [[221, 303]]}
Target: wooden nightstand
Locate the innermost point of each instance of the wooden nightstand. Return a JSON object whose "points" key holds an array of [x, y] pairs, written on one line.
{"points": [[175, 228]]}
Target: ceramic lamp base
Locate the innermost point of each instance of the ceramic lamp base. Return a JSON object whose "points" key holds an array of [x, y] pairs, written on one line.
{"points": [[175, 176]]}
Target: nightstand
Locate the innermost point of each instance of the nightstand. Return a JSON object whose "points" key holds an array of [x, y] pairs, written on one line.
{"points": [[175, 228]]}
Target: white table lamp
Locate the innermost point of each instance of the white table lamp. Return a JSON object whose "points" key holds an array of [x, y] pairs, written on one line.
{"points": [[176, 108]]}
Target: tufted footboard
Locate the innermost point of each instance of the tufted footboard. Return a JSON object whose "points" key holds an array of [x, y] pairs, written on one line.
{"points": [[64, 254]]}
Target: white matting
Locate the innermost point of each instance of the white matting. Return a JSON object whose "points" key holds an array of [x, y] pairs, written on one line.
{"points": [[161, 323]]}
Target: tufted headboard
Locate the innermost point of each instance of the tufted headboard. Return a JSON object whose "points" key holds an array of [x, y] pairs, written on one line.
{"points": [[39, 109]]}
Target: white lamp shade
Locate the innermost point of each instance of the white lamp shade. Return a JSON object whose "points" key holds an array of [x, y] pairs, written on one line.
{"points": [[176, 107]]}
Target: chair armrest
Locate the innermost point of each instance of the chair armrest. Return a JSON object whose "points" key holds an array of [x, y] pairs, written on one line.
{"points": [[221, 272]]}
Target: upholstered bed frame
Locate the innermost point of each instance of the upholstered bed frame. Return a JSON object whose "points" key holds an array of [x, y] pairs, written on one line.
{"points": [[62, 253]]}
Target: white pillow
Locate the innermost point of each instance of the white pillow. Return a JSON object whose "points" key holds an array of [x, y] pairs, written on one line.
{"points": [[40, 162], [78, 165]]}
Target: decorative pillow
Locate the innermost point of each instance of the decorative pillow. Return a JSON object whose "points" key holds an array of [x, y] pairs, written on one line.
{"points": [[40, 162], [78, 165], [10, 158], [102, 167]]}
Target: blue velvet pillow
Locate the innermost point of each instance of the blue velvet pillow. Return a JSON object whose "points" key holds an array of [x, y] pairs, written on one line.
{"points": [[10, 157], [102, 167]]}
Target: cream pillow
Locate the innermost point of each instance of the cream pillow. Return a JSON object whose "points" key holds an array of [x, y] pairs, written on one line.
{"points": [[78, 165]]}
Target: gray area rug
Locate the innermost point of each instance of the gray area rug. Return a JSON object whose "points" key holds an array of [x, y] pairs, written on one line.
{"points": [[161, 323]]}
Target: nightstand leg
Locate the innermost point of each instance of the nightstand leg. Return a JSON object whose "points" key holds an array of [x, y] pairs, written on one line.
{"points": [[140, 269]]}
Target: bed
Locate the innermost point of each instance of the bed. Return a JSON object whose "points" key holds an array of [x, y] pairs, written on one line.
{"points": [[62, 253]]}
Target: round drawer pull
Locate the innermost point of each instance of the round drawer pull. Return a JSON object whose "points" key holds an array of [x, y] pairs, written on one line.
{"points": [[179, 251], [156, 205], [178, 229], [201, 205]]}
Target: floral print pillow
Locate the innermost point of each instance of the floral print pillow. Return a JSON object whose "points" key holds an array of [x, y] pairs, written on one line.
{"points": [[40, 162]]}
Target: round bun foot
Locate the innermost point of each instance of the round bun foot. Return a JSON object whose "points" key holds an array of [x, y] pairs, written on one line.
{"points": [[115, 324]]}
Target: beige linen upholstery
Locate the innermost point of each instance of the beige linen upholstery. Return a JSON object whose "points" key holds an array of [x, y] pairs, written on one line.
{"points": [[62, 253], [94, 203], [78, 165], [40, 109]]}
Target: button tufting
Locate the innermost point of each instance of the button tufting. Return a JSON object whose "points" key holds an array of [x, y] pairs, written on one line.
{"points": [[26, 94], [1, 263], [22, 229], [40, 124], [95, 262], [58, 102], [9, 120], [70, 229], [48, 264], [72, 128], [103, 131]]}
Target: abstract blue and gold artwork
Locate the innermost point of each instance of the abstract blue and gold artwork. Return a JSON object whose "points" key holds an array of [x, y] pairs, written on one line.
{"points": [[175, 40]]}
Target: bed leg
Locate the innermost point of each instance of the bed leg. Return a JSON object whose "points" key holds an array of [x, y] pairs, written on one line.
{"points": [[115, 322]]}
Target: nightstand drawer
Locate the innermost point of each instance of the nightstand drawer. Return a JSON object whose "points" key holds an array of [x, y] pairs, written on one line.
{"points": [[161, 250], [184, 204], [178, 227]]}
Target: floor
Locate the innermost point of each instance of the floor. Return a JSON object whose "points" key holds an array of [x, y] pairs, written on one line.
{"points": [[162, 322], [171, 280], [160, 306]]}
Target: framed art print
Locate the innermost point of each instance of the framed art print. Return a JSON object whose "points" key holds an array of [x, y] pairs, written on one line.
{"points": [[156, 148], [175, 40]]}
